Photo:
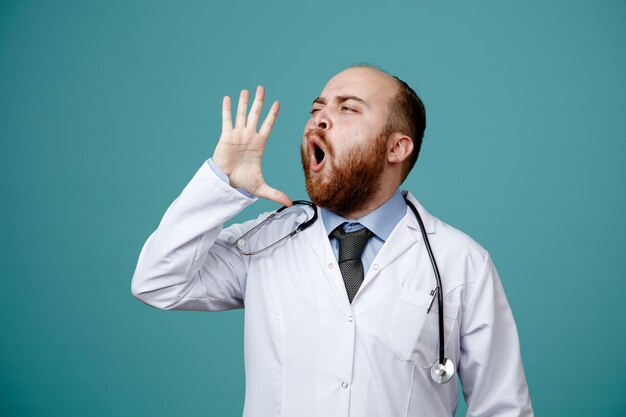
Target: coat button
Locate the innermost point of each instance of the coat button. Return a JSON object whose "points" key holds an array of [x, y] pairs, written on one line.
{"points": [[344, 384], [330, 265]]}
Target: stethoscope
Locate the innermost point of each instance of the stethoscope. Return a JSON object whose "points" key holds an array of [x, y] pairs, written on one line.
{"points": [[443, 370]]}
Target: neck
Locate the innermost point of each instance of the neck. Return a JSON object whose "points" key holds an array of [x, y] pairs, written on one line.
{"points": [[379, 198]]}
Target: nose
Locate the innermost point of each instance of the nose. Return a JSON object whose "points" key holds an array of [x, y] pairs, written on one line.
{"points": [[321, 119]]}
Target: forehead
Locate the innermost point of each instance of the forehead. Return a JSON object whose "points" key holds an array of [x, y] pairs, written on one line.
{"points": [[371, 85]]}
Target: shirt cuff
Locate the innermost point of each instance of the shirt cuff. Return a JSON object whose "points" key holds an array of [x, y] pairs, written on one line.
{"points": [[224, 177]]}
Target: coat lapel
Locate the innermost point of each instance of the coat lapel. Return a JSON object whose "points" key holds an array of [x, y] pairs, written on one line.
{"points": [[319, 242], [406, 234]]}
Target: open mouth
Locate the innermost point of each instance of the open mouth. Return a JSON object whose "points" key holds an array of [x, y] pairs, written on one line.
{"points": [[318, 154]]}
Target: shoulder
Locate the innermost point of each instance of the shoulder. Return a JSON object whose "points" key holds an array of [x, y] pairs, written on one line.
{"points": [[453, 249], [456, 240]]}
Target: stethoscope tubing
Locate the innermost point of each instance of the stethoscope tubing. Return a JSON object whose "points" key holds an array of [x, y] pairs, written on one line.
{"points": [[240, 243], [442, 354]]}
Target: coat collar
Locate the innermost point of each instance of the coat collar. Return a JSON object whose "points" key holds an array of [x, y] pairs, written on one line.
{"points": [[316, 234], [427, 218], [409, 219]]}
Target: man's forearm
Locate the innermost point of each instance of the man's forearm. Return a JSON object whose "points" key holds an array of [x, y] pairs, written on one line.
{"points": [[184, 264]]}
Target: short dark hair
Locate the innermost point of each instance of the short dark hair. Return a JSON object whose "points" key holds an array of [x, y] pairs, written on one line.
{"points": [[406, 114]]}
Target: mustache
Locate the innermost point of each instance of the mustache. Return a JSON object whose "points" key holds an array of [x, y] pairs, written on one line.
{"points": [[321, 135]]}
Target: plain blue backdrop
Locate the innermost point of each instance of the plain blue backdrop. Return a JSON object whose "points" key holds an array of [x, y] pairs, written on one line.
{"points": [[108, 108]]}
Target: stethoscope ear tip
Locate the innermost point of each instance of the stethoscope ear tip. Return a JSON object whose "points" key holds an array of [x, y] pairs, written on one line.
{"points": [[442, 373]]}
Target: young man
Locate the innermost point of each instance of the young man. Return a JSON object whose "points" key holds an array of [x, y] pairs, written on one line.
{"points": [[341, 319]]}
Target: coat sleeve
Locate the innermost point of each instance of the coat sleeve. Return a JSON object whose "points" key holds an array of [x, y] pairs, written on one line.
{"points": [[490, 368], [188, 263]]}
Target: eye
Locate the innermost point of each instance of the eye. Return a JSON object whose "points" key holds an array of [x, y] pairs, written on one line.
{"points": [[347, 108], [314, 110]]}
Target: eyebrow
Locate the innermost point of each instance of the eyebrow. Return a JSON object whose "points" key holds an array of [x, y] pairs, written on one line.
{"points": [[340, 99]]}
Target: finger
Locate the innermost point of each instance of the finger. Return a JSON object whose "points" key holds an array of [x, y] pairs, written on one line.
{"points": [[255, 110], [227, 122], [268, 123], [265, 191], [242, 108]]}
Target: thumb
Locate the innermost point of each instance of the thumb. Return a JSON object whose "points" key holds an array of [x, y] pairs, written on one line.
{"points": [[265, 191]]}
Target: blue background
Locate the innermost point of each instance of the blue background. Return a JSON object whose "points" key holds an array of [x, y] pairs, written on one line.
{"points": [[108, 108]]}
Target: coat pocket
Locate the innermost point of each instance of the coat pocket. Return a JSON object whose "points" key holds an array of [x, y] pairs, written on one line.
{"points": [[414, 333]]}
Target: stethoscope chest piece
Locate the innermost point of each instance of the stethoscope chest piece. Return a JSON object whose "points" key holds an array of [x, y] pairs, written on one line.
{"points": [[442, 373]]}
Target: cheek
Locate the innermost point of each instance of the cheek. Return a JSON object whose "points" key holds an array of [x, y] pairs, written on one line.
{"points": [[357, 138], [341, 150]]}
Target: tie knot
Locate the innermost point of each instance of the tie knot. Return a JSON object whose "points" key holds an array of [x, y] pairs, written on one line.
{"points": [[351, 244]]}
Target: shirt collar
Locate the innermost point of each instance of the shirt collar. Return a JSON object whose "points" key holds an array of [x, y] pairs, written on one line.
{"points": [[380, 221]]}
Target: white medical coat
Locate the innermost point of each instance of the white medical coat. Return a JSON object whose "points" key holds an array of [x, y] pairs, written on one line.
{"points": [[308, 351]]}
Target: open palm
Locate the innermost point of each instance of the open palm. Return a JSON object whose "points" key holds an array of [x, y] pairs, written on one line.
{"points": [[240, 148]]}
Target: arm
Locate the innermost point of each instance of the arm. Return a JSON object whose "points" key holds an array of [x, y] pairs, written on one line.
{"points": [[188, 262], [490, 369]]}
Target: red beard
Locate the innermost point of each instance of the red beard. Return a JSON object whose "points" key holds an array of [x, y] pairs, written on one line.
{"points": [[350, 183]]}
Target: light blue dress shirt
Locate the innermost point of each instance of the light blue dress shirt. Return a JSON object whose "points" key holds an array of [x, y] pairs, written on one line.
{"points": [[380, 221]]}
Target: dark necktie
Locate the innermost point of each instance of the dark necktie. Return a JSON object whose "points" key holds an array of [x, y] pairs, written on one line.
{"points": [[351, 247]]}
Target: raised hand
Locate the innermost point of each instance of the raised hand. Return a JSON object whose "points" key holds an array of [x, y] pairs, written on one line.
{"points": [[240, 149]]}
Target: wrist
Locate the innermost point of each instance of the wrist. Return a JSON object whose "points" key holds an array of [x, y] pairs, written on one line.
{"points": [[221, 165]]}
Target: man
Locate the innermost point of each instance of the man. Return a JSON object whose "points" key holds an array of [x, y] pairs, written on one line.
{"points": [[340, 318]]}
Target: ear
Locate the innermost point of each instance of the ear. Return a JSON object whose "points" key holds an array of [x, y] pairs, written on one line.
{"points": [[400, 147]]}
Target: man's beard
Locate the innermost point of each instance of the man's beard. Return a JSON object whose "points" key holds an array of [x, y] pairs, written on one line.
{"points": [[350, 183]]}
